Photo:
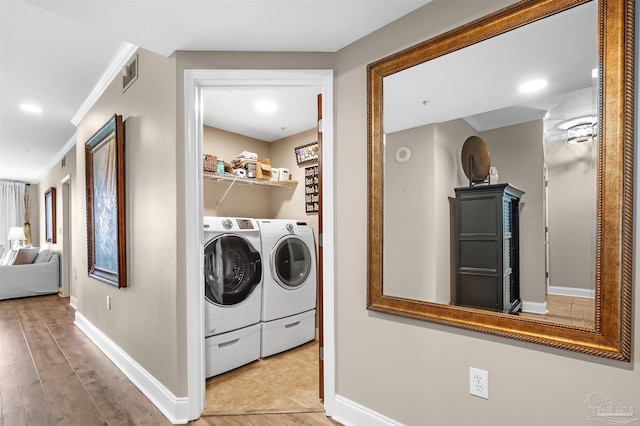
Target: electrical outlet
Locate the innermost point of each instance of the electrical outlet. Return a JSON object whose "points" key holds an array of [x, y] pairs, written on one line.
{"points": [[479, 382], [108, 302]]}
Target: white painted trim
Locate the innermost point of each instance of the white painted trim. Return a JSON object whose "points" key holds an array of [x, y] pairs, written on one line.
{"points": [[350, 413], [122, 56], [194, 251], [73, 302], [195, 82], [65, 264], [571, 291], [534, 307], [328, 246], [174, 408]]}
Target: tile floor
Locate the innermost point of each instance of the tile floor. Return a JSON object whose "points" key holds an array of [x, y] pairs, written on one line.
{"points": [[282, 383]]}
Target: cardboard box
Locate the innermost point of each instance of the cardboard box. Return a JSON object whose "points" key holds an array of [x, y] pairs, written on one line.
{"points": [[263, 169]]}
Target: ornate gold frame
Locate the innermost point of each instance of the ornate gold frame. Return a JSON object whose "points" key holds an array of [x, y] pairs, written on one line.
{"points": [[611, 336]]}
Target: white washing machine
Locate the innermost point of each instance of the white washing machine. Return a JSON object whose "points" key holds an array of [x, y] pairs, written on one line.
{"points": [[289, 284], [233, 292]]}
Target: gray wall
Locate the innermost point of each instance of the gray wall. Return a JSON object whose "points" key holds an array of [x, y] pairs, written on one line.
{"points": [[414, 372]]}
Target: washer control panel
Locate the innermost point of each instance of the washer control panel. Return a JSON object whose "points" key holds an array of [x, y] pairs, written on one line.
{"points": [[245, 224]]}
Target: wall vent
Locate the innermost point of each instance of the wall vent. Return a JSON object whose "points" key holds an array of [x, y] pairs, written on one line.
{"points": [[130, 73], [63, 163]]}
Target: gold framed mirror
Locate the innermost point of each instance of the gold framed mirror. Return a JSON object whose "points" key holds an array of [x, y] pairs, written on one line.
{"points": [[441, 91]]}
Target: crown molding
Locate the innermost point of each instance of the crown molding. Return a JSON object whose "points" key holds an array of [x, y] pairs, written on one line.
{"points": [[122, 56]]}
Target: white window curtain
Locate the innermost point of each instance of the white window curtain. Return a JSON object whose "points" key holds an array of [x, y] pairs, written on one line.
{"points": [[11, 208]]}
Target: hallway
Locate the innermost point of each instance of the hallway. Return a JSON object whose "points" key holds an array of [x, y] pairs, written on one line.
{"points": [[52, 374]]}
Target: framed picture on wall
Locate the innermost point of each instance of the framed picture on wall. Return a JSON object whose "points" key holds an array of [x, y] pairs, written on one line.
{"points": [[50, 215], [307, 155], [104, 164]]}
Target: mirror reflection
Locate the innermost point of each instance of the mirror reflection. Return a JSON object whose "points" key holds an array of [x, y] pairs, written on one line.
{"points": [[522, 239]]}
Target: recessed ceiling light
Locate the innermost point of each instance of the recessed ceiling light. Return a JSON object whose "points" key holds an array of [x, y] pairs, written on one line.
{"points": [[533, 86], [266, 106], [34, 109]]}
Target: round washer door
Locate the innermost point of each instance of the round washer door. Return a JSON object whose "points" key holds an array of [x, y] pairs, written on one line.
{"points": [[291, 262], [232, 270]]}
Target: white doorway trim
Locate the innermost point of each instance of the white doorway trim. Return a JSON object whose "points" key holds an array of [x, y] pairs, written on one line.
{"points": [[66, 262], [195, 81]]}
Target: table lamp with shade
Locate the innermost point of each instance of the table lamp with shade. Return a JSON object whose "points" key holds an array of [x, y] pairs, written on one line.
{"points": [[16, 234]]}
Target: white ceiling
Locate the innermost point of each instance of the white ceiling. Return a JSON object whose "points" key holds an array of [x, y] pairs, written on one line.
{"points": [[482, 81], [53, 53]]}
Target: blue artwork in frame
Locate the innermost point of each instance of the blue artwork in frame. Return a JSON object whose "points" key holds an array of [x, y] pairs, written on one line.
{"points": [[104, 163]]}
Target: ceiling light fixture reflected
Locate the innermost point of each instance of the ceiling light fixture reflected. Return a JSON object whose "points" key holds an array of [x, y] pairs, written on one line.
{"points": [[266, 106], [565, 125], [532, 86], [580, 133], [594, 73], [34, 109]]}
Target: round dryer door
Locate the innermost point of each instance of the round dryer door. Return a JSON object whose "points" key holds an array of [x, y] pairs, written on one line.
{"points": [[291, 262], [232, 270]]}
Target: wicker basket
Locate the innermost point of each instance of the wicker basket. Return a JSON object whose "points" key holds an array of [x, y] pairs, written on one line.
{"points": [[209, 163]]}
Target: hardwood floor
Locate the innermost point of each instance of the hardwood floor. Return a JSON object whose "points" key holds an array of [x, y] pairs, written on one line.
{"points": [[568, 310], [52, 374]]}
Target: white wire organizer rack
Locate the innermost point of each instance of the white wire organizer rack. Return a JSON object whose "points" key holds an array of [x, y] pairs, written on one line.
{"points": [[233, 179]]}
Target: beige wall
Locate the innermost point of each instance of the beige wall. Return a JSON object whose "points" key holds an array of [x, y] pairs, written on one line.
{"points": [[143, 317], [572, 214], [54, 179], [415, 372], [409, 266], [516, 151], [252, 200], [217, 60], [286, 203], [241, 200], [411, 371]]}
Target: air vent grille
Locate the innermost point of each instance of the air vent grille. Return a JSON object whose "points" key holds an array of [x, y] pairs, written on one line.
{"points": [[130, 73]]}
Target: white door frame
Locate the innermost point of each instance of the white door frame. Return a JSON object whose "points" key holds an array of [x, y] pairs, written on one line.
{"points": [[195, 81], [66, 262]]}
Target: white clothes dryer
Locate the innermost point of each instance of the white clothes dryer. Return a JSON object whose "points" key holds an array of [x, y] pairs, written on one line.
{"points": [[289, 284], [233, 292]]}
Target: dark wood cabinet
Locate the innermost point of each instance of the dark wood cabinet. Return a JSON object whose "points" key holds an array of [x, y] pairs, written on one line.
{"points": [[487, 247]]}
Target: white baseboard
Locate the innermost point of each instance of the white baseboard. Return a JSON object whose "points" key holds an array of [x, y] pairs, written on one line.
{"points": [[73, 302], [571, 291], [175, 409], [350, 413], [534, 307]]}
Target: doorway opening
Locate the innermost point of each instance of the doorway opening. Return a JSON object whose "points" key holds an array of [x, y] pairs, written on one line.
{"points": [[238, 124], [196, 82]]}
